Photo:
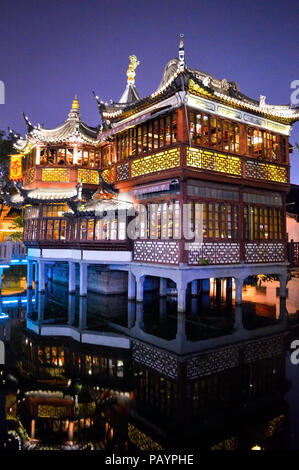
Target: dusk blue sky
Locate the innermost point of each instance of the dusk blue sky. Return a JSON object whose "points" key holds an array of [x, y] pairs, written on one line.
{"points": [[51, 50]]}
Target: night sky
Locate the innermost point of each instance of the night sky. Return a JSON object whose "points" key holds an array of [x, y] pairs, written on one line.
{"points": [[52, 49]]}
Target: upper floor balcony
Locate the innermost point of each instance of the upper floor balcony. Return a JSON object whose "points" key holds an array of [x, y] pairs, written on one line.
{"points": [[198, 160]]}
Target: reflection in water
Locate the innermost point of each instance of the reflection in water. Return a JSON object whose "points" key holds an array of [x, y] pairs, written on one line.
{"points": [[99, 372]]}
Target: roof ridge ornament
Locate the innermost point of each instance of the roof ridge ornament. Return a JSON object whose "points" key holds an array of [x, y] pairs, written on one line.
{"points": [[75, 104], [262, 102], [74, 112], [134, 62], [181, 53]]}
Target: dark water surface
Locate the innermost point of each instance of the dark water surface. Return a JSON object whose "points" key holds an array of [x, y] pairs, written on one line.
{"points": [[104, 373]]}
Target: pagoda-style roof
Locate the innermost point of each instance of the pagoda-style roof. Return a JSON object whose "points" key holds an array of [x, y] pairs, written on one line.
{"points": [[73, 130], [177, 76], [23, 196]]}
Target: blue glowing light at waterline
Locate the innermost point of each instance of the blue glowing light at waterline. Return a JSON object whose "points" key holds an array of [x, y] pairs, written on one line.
{"points": [[15, 301]]}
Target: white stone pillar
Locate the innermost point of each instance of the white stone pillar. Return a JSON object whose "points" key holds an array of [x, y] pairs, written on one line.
{"points": [[163, 287], [283, 279], [181, 324], [131, 314], [36, 273], [194, 288], [238, 324], [83, 279], [37, 156], [283, 313], [139, 316], [1, 275], [75, 155], [139, 288], [238, 290], [229, 284], [29, 305], [72, 277], [131, 286], [82, 313], [71, 309], [41, 307], [181, 299], [41, 276], [29, 274]]}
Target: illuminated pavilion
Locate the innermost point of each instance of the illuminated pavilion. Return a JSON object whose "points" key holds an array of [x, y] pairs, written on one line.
{"points": [[195, 141]]}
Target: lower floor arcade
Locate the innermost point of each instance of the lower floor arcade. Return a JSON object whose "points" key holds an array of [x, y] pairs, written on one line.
{"points": [[135, 278]]}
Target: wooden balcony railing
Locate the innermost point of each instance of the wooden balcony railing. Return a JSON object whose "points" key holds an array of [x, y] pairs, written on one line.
{"points": [[293, 254]]}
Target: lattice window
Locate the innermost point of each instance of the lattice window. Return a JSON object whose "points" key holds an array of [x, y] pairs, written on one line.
{"points": [[123, 172], [88, 176], [266, 171], [214, 161], [30, 176], [109, 175], [166, 252], [214, 253], [264, 252], [56, 174], [157, 162]]}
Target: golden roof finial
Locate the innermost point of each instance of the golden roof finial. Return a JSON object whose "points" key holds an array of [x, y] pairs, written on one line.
{"points": [[75, 104], [131, 69]]}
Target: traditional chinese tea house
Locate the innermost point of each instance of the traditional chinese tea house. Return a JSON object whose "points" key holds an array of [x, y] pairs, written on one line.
{"points": [[195, 142]]}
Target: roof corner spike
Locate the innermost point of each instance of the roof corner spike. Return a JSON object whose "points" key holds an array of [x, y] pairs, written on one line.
{"points": [[131, 69], [181, 53]]}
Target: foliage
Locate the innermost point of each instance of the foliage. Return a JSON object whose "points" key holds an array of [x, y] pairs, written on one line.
{"points": [[6, 148], [18, 225], [203, 261]]}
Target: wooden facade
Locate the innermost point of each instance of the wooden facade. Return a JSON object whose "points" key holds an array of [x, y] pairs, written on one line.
{"points": [[228, 155]]}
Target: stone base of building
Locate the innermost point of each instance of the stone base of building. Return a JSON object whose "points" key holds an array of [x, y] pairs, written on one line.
{"points": [[101, 281]]}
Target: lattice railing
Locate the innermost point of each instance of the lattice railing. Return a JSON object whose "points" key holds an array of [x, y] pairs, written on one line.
{"points": [[156, 251], [109, 175], [266, 171], [232, 165], [123, 172], [214, 253], [215, 161], [30, 176], [158, 162], [88, 176], [56, 174], [293, 253], [261, 252]]}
